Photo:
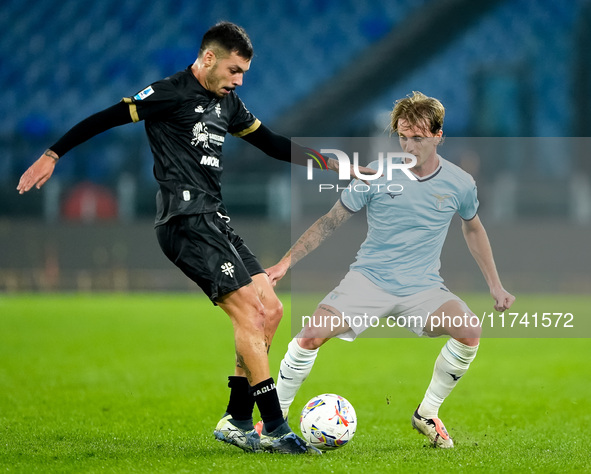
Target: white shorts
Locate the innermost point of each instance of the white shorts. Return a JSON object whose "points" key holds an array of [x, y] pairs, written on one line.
{"points": [[357, 296]]}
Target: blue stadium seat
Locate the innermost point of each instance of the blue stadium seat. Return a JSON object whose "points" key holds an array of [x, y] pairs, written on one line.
{"points": [[91, 54]]}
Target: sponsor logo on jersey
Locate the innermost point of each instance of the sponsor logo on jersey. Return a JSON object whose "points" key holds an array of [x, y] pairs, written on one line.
{"points": [[147, 92], [210, 161], [228, 269], [200, 135], [217, 139]]}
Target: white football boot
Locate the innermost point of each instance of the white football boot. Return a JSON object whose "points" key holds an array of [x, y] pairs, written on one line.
{"points": [[432, 428]]}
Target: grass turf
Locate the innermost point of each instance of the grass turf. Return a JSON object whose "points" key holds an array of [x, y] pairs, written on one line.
{"points": [[136, 383]]}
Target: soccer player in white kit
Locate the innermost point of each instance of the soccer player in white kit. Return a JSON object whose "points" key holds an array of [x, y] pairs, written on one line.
{"points": [[396, 271]]}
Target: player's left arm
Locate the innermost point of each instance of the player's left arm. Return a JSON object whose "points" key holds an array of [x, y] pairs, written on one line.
{"points": [[282, 148], [479, 245]]}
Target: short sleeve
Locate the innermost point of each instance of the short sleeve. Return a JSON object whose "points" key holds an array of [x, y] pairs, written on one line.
{"points": [[242, 121], [358, 194], [156, 101], [355, 196], [469, 205]]}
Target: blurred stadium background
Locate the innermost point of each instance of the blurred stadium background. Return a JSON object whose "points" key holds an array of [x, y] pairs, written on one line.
{"points": [[503, 68]]}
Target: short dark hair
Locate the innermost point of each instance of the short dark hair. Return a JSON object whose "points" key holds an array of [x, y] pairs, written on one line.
{"points": [[226, 37]]}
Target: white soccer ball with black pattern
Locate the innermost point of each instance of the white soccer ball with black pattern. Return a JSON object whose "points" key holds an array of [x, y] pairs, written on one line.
{"points": [[328, 421]]}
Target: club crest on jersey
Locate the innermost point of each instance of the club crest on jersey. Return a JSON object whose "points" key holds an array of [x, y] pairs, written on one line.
{"points": [[147, 92], [218, 109], [200, 135], [441, 200]]}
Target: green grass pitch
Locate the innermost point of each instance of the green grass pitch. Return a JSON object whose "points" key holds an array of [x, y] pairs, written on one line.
{"points": [[136, 383]]}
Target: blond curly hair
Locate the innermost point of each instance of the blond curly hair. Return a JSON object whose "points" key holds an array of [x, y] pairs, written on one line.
{"points": [[418, 110]]}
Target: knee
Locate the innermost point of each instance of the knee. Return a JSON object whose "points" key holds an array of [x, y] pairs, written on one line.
{"points": [[274, 312], [470, 333], [257, 316], [311, 343], [312, 338], [476, 333]]}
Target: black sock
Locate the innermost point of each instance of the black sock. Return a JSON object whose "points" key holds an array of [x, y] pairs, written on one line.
{"points": [[241, 401], [265, 396]]}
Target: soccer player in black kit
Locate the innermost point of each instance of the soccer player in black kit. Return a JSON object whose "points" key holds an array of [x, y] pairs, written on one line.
{"points": [[186, 117]]}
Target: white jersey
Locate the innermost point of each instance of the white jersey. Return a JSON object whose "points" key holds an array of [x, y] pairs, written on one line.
{"points": [[407, 225]]}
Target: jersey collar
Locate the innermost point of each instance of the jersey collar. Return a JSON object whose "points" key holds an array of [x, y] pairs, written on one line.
{"points": [[422, 179]]}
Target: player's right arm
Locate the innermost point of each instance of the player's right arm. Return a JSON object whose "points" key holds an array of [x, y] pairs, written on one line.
{"points": [[40, 171], [310, 240], [155, 101]]}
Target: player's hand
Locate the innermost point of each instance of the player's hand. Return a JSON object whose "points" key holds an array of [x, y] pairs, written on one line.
{"points": [[503, 299], [38, 173], [278, 271]]}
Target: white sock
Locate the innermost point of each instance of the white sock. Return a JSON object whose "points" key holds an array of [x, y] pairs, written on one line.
{"points": [[295, 367], [451, 364]]}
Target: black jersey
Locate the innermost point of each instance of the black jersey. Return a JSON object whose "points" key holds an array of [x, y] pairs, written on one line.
{"points": [[186, 127]]}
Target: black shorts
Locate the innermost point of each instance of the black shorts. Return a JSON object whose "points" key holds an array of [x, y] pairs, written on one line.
{"points": [[208, 251]]}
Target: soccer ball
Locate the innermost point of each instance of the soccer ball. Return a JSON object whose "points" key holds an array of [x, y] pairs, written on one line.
{"points": [[328, 421]]}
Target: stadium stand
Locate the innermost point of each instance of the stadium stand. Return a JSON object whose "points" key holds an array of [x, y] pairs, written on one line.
{"points": [[63, 60]]}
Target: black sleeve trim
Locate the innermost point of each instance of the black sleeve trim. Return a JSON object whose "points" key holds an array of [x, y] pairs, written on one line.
{"points": [[113, 116], [282, 148], [471, 218]]}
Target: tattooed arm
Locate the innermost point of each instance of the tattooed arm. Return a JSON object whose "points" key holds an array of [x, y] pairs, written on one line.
{"points": [[310, 240]]}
